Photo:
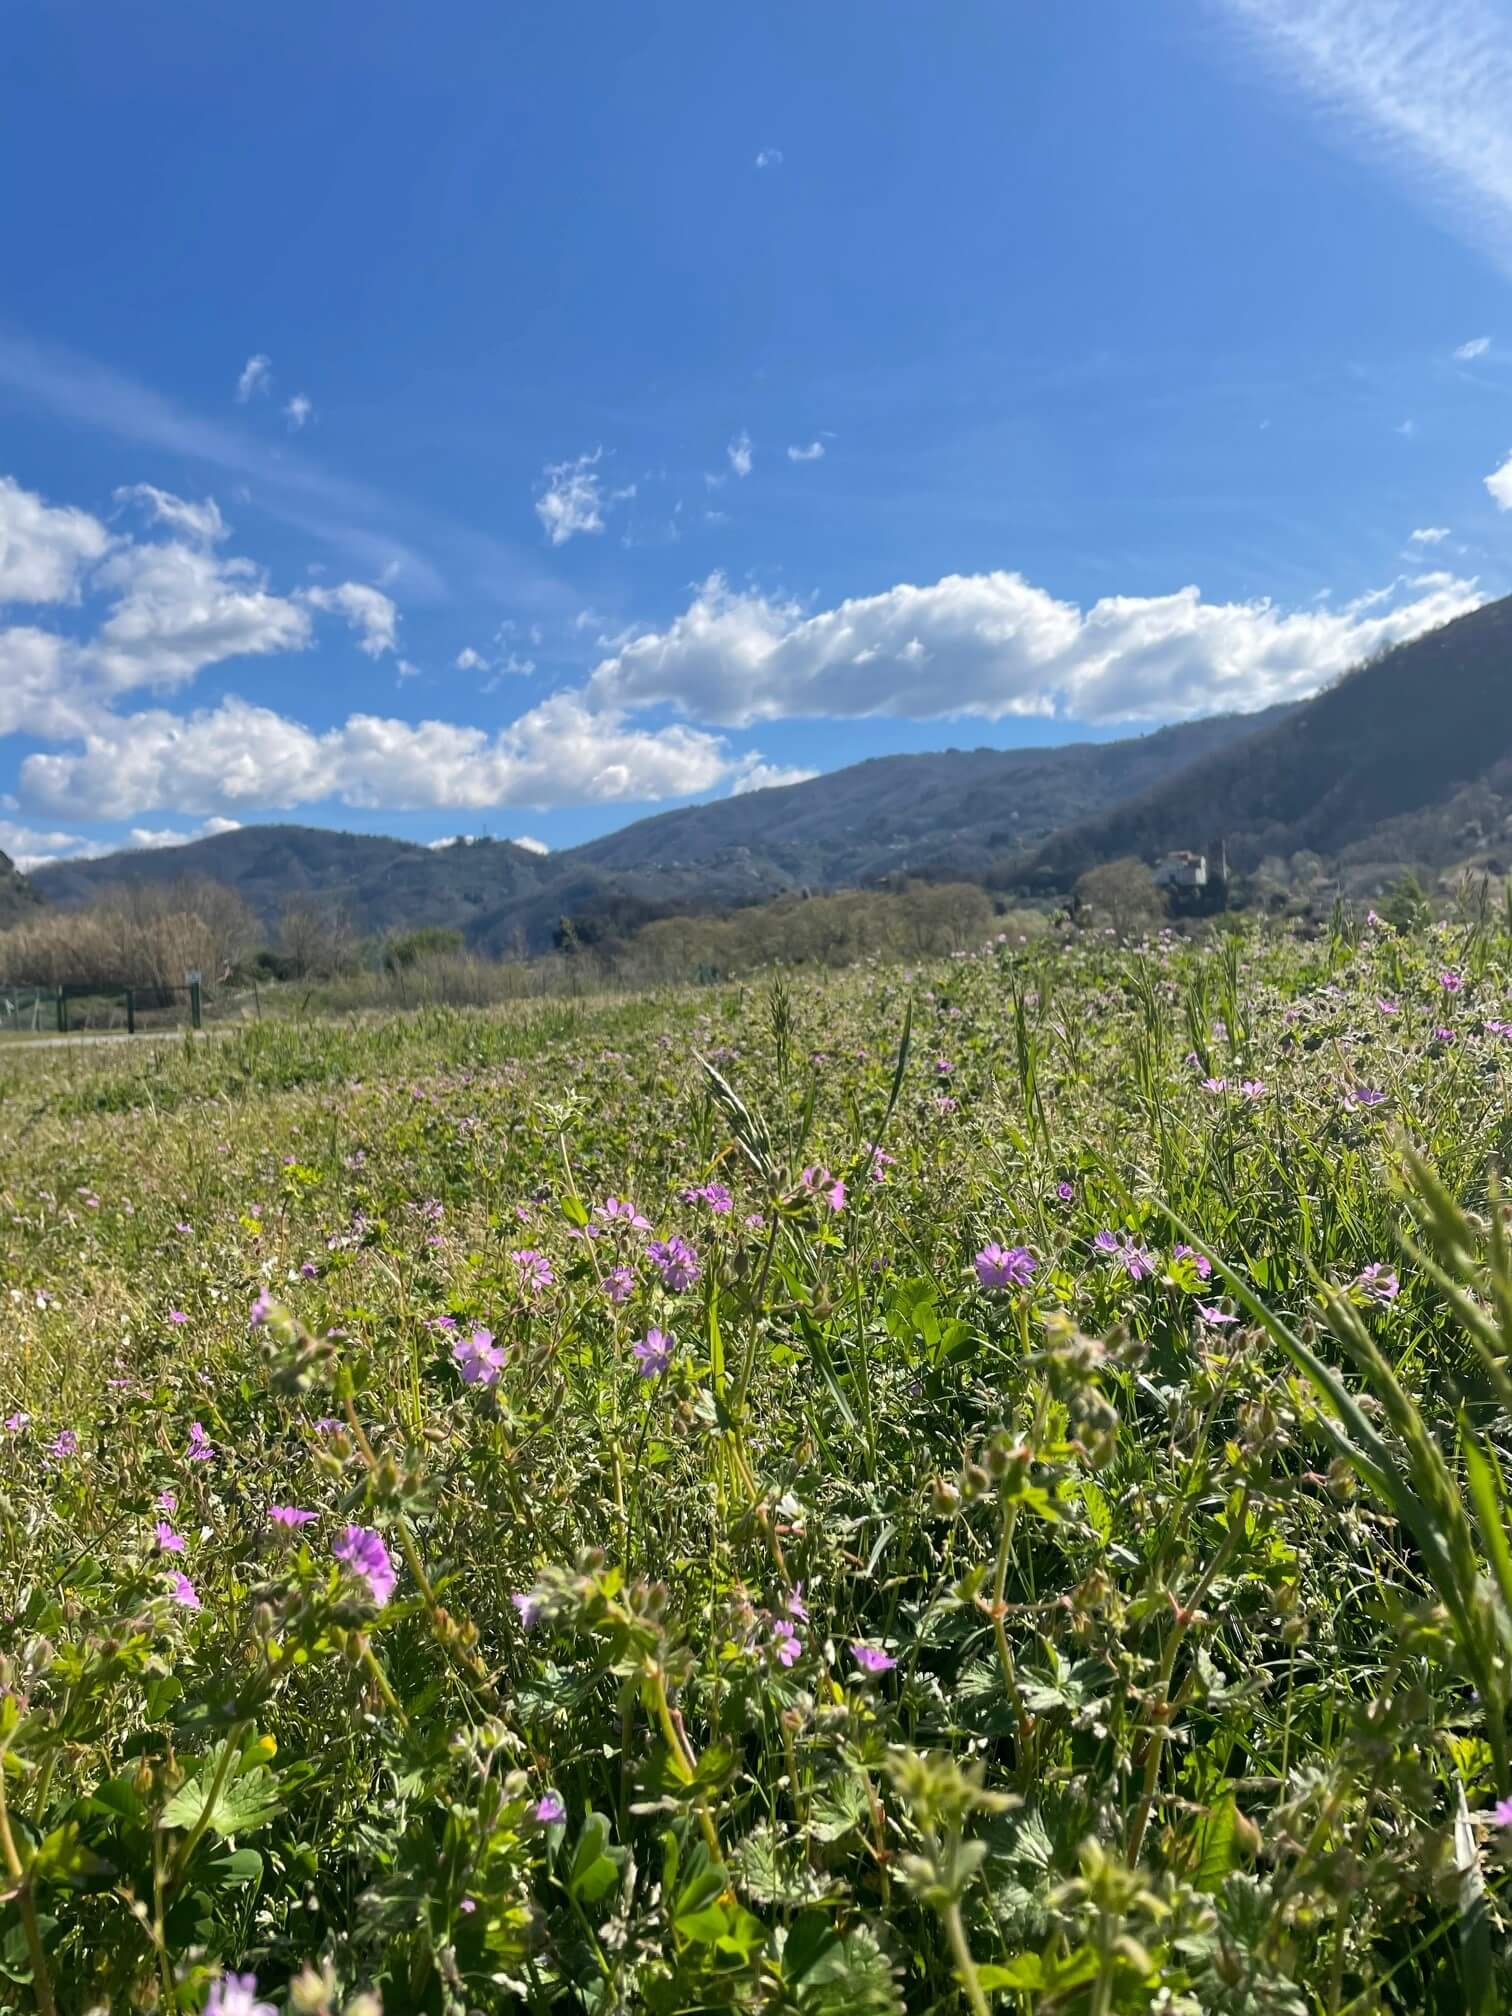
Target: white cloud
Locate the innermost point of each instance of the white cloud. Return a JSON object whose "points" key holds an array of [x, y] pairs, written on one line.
{"points": [[197, 521], [40, 691], [29, 848], [813, 453], [767, 776], [180, 608], [256, 376], [769, 157], [236, 755], [1476, 347], [531, 846], [573, 500], [995, 645], [1430, 535], [468, 660], [1499, 483], [368, 610], [44, 548], [1406, 428], [739, 452], [299, 411], [1428, 87]]}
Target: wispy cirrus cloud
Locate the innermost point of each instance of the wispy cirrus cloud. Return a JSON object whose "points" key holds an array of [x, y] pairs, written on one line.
{"points": [[1425, 87]]}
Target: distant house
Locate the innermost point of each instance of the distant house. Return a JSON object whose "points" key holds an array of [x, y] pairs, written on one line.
{"points": [[1181, 871]]}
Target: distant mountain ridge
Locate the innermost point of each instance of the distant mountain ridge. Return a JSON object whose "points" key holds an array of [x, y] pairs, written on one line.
{"points": [[1405, 761], [951, 813]]}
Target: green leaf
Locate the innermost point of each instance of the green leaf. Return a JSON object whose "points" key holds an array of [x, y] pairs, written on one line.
{"points": [[1216, 1844], [595, 1866], [242, 1804]]}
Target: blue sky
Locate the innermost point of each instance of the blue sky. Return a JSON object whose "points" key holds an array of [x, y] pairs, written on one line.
{"points": [[439, 420]]}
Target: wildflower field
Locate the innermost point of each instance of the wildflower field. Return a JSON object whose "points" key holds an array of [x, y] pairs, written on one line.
{"points": [[976, 1488]]}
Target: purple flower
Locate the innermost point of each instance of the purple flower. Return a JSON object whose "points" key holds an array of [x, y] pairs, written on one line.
{"points": [[653, 1354], [1365, 1095], [824, 1185], [236, 1995], [168, 1541], [1450, 981], [1386, 1006], [167, 1501], [1252, 1088], [1501, 1813], [201, 1449], [620, 1211], [478, 1358], [1005, 1266], [619, 1284], [288, 1516], [881, 1162], [715, 1195], [15, 1423], [675, 1260], [528, 1604], [364, 1553], [871, 1659], [1215, 1084], [1377, 1283], [308, 1271], [1136, 1261], [1202, 1267], [261, 1309], [1211, 1313], [787, 1645], [1443, 1034], [794, 1604], [65, 1443], [177, 1316], [548, 1810], [945, 1104], [329, 1425], [183, 1592], [1065, 1192], [535, 1269]]}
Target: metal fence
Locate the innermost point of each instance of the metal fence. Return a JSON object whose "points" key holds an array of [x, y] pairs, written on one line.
{"points": [[95, 1004]]}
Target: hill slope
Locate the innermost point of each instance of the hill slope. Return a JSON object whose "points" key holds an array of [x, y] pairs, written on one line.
{"points": [[1408, 759], [952, 813], [17, 896]]}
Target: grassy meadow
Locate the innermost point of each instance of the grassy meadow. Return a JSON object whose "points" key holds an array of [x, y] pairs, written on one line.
{"points": [[974, 1487]]}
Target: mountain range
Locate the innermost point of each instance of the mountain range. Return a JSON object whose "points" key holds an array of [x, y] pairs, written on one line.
{"points": [[953, 814], [1405, 761]]}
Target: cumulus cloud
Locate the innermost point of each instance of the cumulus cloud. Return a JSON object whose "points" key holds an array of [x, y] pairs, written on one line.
{"points": [[201, 521], [1476, 347], [996, 645], [531, 846], [40, 690], [256, 376], [30, 848], [1499, 483], [739, 453], [44, 548], [468, 660], [180, 608], [236, 755], [813, 453], [573, 499], [1430, 535], [369, 611], [769, 157], [299, 411], [759, 776]]}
